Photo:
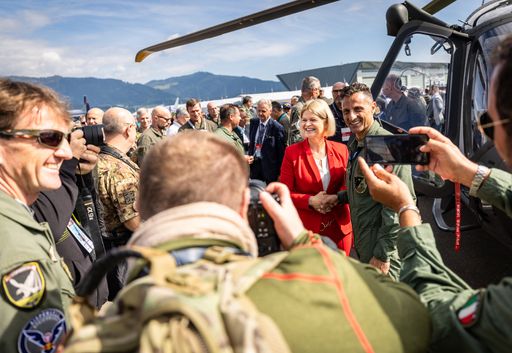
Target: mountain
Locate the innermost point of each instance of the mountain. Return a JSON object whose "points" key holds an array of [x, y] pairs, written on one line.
{"points": [[103, 93], [206, 86]]}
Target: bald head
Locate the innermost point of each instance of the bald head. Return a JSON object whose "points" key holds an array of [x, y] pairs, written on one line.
{"points": [[337, 95], [116, 119], [160, 118], [94, 116]]}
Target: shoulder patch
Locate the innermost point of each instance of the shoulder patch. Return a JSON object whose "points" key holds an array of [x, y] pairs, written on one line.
{"points": [[24, 286], [469, 313], [43, 332], [129, 196]]}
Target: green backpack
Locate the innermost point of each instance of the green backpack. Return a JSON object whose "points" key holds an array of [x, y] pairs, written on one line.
{"points": [[199, 307]]}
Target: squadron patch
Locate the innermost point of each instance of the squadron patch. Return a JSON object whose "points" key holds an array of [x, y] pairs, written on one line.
{"points": [[360, 183], [43, 332], [24, 287]]}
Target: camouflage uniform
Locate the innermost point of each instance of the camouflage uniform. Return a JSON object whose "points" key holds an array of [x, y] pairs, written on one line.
{"points": [[147, 139], [118, 184], [375, 226], [36, 284], [463, 319], [294, 135], [230, 137], [205, 124]]}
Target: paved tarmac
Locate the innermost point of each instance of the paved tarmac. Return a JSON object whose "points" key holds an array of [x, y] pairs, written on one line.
{"points": [[481, 260]]}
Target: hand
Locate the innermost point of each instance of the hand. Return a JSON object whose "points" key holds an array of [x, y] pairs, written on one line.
{"points": [[249, 159], [318, 202], [381, 265], [286, 218], [77, 143], [445, 158], [385, 188], [88, 160]]}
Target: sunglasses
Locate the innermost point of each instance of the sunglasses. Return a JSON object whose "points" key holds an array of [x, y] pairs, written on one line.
{"points": [[486, 125], [49, 138]]}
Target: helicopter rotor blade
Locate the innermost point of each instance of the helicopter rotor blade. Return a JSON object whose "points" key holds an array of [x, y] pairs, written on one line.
{"points": [[242, 22], [436, 5]]}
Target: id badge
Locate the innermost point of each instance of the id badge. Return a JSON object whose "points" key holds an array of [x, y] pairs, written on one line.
{"points": [[257, 152], [345, 134], [80, 236]]}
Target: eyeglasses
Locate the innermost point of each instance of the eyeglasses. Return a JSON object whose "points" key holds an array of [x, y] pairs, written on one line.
{"points": [[486, 125], [163, 117], [49, 138]]}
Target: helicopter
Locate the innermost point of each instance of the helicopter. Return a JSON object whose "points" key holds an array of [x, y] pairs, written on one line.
{"points": [[459, 57]]}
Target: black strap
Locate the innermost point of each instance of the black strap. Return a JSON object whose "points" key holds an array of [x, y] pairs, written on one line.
{"points": [[105, 149]]}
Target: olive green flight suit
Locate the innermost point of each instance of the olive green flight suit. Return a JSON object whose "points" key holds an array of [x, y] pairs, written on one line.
{"points": [[146, 140], [36, 284], [231, 137], [375, 226], [463, 319]]}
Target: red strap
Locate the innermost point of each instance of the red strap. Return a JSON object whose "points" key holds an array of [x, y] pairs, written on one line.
{"points": [[457, 216]]}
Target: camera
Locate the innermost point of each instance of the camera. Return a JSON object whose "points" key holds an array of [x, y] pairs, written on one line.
{"points": [[396, 149], [261, 223], [93, 134]]}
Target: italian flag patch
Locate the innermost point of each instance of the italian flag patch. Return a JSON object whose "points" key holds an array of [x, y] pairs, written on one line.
{"points": [[468, 313]]}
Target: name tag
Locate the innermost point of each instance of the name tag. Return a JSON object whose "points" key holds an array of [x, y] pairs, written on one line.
{"points": [[345, 134], [257, 151], [80, 236]]}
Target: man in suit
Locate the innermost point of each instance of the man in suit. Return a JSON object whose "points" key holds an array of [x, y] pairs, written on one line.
{"points": [[267, 144]]}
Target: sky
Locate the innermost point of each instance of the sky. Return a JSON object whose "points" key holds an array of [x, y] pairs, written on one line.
{"points": [[92, 38]]}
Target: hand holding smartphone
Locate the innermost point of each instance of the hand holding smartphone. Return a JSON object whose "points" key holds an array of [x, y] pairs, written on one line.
{"points": [[396, 149]]}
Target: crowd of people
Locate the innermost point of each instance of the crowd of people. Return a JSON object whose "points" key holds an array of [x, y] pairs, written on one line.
{"points": [[67, 199]]}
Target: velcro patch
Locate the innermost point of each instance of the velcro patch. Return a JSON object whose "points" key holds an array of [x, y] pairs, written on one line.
{"points": [[468, 314], [43, 332], [24, 286]]}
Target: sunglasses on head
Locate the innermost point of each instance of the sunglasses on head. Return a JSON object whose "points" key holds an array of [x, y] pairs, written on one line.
{"points": [[49, 138], [486, 125]]}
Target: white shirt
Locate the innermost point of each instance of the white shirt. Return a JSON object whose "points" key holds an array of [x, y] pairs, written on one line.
{"points": [[323, 169], [173, 129]]}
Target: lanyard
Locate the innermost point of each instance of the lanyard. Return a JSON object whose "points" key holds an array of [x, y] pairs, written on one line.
{"points": [[457, 216]]}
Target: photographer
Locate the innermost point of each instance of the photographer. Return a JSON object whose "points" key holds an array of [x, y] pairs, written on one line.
{"points": [[464, 319], [56, 207], [321, 300]]}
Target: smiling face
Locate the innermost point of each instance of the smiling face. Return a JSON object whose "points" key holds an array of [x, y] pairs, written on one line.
{"points": [[358, 113], [312, 126], [28, 167]]}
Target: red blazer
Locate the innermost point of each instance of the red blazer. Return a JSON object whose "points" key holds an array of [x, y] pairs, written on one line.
{"points": [[300, 173]]}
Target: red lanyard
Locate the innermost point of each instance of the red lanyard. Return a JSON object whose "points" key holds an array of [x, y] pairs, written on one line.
{"points": [[457, 216]]}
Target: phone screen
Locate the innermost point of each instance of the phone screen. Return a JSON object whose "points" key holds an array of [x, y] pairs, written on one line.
{"points": [[396, 149]]}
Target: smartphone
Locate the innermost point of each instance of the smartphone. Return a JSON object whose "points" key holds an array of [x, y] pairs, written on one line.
{"points": [[396, 149]]}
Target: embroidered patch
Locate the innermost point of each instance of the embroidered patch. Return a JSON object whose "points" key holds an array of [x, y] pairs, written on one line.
{"points": [[360, 184], [468, 314], [43, 332], [24, 287], [129, 197]]}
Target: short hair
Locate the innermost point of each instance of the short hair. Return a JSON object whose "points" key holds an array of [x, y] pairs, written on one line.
{"points": [[226, 110], [397, 81], [141, 111], [181, 111], [18, 98], [265, 101], [502, 57], [321, 109], [192, 102], [310, 82], [178, 177], [246, 99], [356, 87], [277, 106]]}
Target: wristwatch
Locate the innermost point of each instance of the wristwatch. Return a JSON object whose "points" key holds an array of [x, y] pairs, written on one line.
{"points": [[481, 173]]}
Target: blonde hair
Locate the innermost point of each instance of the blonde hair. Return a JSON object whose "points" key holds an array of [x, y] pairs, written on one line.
{"points": [[319, 108]]}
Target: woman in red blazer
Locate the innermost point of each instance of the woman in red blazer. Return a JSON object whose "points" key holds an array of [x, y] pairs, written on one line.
{"points": [[314, 171]]}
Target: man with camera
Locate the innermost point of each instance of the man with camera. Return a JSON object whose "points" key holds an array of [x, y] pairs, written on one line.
{"points": [[36, 285], [118, 183], [320, 300], [375, 226], [464, 319]]}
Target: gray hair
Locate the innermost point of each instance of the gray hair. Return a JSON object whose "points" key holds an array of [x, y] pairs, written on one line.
{"points": [[310, 82], [141, 111], [265, 101], [181, 111]]}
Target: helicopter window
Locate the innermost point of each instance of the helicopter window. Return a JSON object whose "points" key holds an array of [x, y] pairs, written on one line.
{"points": [[421, 66]]}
